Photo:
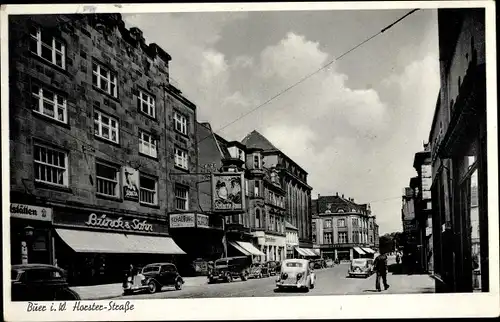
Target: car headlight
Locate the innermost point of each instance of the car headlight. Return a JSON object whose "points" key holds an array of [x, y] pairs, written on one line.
{"points": [[299, 276]]}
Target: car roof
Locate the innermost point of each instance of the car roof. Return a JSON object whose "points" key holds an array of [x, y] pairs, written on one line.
{"points": [[34, 266], [296, 260]]}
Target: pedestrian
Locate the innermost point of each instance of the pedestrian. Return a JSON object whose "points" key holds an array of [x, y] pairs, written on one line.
{"points": [[380, 266]]}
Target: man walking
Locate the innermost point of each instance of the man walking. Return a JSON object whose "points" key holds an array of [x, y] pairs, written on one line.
{"points": [[380, 265]]}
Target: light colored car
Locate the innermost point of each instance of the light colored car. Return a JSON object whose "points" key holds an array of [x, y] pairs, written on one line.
{"points": [[296, 273], [361, 267]]}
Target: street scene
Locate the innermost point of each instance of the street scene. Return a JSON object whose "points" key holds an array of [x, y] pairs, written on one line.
{"points": [[247, 154]]}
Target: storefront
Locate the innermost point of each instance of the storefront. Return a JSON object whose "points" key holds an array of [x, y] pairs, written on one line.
{"points": [[31, 236], [97, 247], [272, 246]]}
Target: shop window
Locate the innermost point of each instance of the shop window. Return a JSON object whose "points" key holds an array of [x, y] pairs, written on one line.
{"points": [[49, 104], [147, 144], [148, 190], [107, 180], [181, 197], [105, 126], [180, 123], [47, 47], [51, 165], [104, 79], [146, 104], [181, 158]]}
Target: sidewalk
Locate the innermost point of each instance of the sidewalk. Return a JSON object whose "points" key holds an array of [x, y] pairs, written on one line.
{"points": [[403, 284], [105, 291]]}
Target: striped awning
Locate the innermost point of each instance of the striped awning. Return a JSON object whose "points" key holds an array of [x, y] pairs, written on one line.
{"points": [[359, 251], [306, 252], [368, 250], [240, 249]]}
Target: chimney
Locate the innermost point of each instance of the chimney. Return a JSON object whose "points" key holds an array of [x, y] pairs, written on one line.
{"points": [[342, 196], [337, 194]]}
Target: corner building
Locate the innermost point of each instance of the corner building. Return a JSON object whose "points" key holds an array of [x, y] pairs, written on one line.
{"points": [[93, 126]]}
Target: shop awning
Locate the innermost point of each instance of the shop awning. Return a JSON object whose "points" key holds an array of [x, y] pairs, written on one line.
{"points": [[250, 248], [240, 249], [115, 243], [368, 250], [316, 252], [359, 251], [306, 252]]}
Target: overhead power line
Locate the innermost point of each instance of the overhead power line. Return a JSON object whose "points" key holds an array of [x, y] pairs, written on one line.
{"points": [[312, 74]]}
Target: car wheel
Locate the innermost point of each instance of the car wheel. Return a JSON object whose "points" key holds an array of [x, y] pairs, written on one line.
{"points": [[306, 289], [152, 287], [229, 278], [178, 285], [243, 277], [312, 286]]}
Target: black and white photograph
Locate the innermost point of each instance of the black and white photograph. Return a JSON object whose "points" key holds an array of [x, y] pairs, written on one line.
{"points": [[265, 161]]}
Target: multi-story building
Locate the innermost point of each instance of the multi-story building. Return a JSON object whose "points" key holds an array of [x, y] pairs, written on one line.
{"points": [[344, 228], [423, 206], [293, 179], [292, 239], [458, 155], [93, 127]]}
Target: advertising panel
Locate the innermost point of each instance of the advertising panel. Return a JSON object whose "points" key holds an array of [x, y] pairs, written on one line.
{"points": [[30, 212], [202, 221], [130, 179], [182, 220], [227, 195]]}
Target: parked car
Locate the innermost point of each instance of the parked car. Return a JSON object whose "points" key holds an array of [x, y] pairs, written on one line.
{"points": [[229, 268], [200, 267], [361, 267], [296, 273], [274, 267], [154, 276], [40, 282], [330, 262], [319, 263], [258, 270]]}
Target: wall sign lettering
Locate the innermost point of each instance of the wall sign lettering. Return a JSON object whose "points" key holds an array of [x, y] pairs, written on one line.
{"points": [[104, 222]]}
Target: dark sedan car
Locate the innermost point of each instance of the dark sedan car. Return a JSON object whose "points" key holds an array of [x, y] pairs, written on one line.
{"points": [[40, 282]]}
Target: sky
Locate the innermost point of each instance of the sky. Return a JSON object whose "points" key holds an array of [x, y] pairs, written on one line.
{"points": [[354, 126]]}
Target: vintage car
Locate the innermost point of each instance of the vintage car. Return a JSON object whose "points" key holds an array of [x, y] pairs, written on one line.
{"points": [[228, 268], [258, 270], [273, 267], [153, 277], [361, 267], [40, 282], [296, 273]]}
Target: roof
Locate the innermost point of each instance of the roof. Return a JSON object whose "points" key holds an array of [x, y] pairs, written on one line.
{"points": [[290, 226], [256, 140], [335, 203]]}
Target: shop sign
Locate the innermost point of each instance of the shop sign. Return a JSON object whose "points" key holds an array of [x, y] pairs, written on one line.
{"points": [[202, 221], [104, 222], [30, 212], [227, 195], [182, 220], [130, 184], [275, 241]]}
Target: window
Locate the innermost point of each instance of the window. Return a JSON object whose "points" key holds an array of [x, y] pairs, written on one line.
{"points": [[104, 79], [180, 123], [355, 222], [107, 180], [51, 165], [146, 104], [256, 188], [181, 158], [328, 238], [181, 198], [246, 187], [49, 104], [149, 190], [105, 127], [147, 144], [47, 47], [258, 221], [341, 222], [342, 237], [256, 161], [328, 223]]}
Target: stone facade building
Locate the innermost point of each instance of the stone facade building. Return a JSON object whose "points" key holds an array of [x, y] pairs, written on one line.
{"points": [[96, 131], [344, 229], [293, 180]]}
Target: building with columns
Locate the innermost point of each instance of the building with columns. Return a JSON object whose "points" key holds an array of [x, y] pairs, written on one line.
{"points": [[344, 229]]}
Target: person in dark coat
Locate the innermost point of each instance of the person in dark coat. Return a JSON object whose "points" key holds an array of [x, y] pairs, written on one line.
{"points": [[380, 266]]}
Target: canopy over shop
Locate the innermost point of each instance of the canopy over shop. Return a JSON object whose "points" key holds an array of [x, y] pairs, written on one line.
{"points": [[308, 252]]}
